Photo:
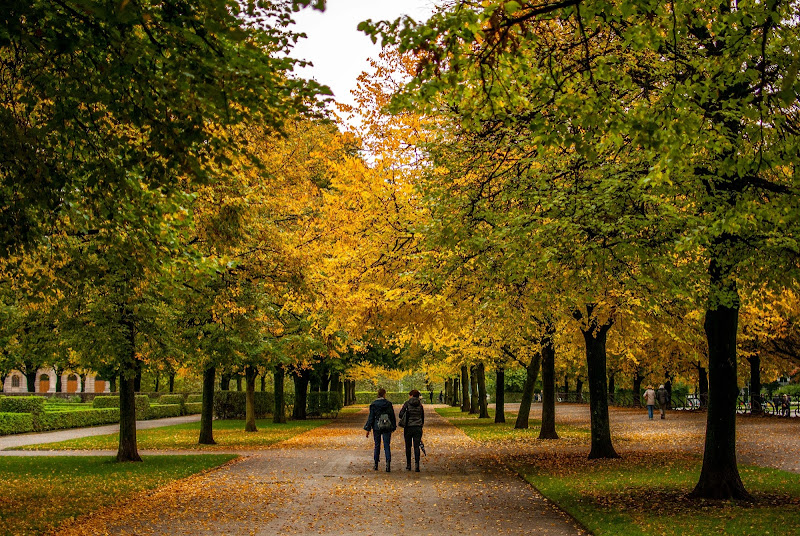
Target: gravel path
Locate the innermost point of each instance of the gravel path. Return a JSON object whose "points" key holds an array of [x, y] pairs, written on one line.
{"points": [[322, 482]]}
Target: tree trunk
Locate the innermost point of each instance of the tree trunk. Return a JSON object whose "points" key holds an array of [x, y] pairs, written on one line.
{"points": [[325, 381], [225, 382], [172, 382], [239, 382], [448, 392], [456, 386], [531, 373], [703, 386], [579, 390], [719, 477], [755, 385], [127, 419], [482, 402], [112, 387], [207, 410], [158, 382], [500, 394], [473, 390], [612, 388], [548, 430], [637, 389], [137, 381], [595, 338], [301, 379], [30, 380], [58, 379], [250, 399], [279, 412], [566, 388], [464, 389], [264, 382], [83, 383]]}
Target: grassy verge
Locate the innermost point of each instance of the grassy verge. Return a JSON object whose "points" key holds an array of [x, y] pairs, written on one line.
{"points": [[40, 492], [487, 430], [228, 434], [643, 493]]}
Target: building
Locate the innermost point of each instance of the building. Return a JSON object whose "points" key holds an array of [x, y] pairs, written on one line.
{"points": [[46, 382]]}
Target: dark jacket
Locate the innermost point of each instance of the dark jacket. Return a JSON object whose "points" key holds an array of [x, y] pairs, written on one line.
{"points": [[416, 413], [662, 396], [378, 407]]}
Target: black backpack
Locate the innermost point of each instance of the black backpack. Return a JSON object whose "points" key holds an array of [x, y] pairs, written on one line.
{"points": [[384, 424]]}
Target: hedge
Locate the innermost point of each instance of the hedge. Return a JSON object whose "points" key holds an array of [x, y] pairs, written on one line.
{"points": [[59, 420], [792, 390], [323, 403], [15, 423], [142, 404], [173, 399], [161, 411], [191, 399], [231, 404], [366, 397], [22, 404], [193, 408]]}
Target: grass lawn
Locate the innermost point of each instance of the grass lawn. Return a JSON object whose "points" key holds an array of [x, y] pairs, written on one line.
{"points": [[229, 434], [40, 492], [643, 493], [487, 430]]}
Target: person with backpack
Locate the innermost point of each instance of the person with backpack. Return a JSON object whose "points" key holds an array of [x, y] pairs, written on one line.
{"points": [[412, 419], [381, 422], [663, 399]]}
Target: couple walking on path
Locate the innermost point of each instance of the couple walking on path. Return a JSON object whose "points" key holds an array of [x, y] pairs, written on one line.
{"points": [[381, 422]]}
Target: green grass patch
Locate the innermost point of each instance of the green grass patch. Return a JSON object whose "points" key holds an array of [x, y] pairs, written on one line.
{"points": [[40, 492], [649, 495], [229, 434], [488, 430]]}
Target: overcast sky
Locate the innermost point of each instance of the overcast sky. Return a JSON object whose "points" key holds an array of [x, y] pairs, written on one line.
{"points": [[338, 51]]}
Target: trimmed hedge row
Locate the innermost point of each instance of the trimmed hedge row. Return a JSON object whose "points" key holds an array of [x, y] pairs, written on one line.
{"points": [[161, 411], [15, 423], [366, 397], [59, 420], [142, 404], [193, 408], [22, 404], [231, 404], [191, 399]]}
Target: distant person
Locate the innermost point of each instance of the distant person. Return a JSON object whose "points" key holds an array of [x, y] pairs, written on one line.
{"points": [[663, 399], [786, 404], [650, 400], [431, 393], [668, 387], [382, 422], [412, 415], [441, 397]]}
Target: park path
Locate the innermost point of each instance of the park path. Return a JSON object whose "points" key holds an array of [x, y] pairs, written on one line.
{"points": [[22, 440], [322, 482]]}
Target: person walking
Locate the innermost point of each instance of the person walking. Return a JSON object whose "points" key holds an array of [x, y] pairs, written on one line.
{"points": [[382, 423], [650, 400], [663, 399], [412, 417]]}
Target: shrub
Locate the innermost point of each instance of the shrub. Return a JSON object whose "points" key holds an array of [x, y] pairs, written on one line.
{"points": [[22, 404], [193, 408], [161, 411], [366, 397], [15, 423], [173, 399], [59, 420], [323, 403], [231, 404], [191, 399], [142, 404]]}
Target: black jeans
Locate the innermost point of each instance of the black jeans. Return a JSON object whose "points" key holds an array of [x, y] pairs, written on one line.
{"points": [[412, 434]]}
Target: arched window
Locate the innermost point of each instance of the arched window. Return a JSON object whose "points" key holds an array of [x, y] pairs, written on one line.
{"points": [[14, 381], [72, 378], [44, 378]]}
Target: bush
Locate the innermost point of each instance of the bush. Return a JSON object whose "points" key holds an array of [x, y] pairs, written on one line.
{"points": [[142, 404], [231, 404], [59, 420], [792, 390], [191, 399], [366, 397], [15, 423], [323, 403], [173, 399], [22, 404], [193, 408], [161, 411]]}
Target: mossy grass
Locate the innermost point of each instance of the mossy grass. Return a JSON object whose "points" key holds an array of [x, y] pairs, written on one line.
{"points": [[229, 434], [39, 492]]}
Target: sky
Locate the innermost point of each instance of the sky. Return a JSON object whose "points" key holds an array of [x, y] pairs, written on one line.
{"points": [[338, 51]]}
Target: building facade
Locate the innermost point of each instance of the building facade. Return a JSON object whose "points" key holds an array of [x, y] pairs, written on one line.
{"points": [[46, 383]]}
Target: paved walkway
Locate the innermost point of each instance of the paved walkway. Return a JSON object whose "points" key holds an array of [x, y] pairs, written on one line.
{"points": [[322, 482], [21, 440]]}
